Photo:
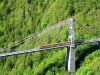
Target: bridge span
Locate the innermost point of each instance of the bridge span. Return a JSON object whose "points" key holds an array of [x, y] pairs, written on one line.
{"points": [[48, 47]]}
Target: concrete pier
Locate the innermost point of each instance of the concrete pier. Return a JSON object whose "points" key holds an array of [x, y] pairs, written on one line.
{"points": [[71, 60]]}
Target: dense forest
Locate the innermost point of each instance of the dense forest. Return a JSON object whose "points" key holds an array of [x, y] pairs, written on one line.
{"points": [[22, 18]]}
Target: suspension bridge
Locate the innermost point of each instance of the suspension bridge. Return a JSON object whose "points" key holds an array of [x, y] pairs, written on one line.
{"points": [[70, 45]]}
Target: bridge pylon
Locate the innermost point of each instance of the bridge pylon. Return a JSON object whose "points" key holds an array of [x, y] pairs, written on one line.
{"points": [[70, 57]]}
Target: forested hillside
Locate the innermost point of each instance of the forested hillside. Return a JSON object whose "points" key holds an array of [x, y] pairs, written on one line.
{"points": [[21, 18]]}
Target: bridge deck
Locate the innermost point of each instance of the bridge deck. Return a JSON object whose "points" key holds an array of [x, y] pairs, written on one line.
{"points": [[48, 47]]}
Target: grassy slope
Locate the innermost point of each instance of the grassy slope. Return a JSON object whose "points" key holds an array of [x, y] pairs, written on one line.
{"points": [[19, 19]]}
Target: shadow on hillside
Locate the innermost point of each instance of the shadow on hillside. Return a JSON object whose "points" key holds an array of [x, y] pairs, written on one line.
{"points": [[49, 67], [84, 53]]}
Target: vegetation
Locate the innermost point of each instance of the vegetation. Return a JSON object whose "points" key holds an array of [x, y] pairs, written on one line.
{"points": [[20, 18]]}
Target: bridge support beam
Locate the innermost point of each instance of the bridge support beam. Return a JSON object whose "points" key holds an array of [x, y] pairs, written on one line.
{"points": [[70, 59], [98, 43]]}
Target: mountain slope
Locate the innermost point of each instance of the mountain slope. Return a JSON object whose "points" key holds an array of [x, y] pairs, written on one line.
{"points": [[20, 18]]}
